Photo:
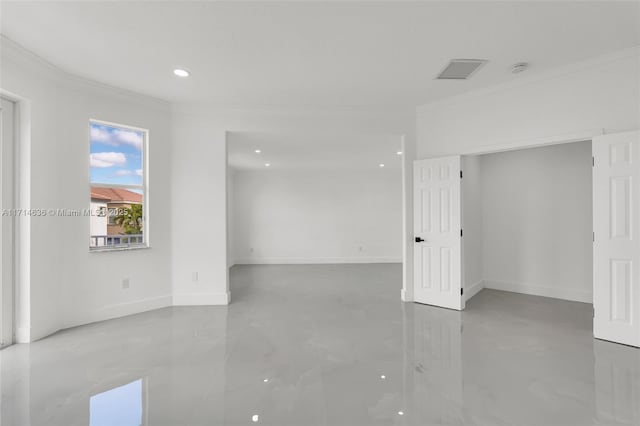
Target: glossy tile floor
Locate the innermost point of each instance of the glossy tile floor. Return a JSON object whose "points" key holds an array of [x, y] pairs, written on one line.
{"points": [[328, 345]]}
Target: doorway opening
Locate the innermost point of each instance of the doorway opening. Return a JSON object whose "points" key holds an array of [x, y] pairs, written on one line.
{"points": [[516, 220], [314, 198], [527, 220]]}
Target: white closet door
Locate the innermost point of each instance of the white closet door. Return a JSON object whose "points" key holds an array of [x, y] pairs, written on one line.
{"points": [[437, 217], [616, 247]]}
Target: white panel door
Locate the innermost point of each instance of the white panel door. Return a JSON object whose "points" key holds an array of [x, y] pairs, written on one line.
{"points": [[616, 246], [437, 232], [6, 227]]}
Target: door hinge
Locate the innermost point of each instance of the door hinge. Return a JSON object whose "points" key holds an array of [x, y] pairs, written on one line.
{"points": [[461, 233], [460, 174], [594, 237], [461, 291], [593, 161]]}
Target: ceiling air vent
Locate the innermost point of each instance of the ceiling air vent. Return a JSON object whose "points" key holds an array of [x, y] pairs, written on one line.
{"points": [[461, 69]]}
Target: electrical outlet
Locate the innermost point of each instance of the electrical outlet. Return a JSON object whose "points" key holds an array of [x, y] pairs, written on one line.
{"points": [[194, 276], [360, 248], [125, 283]]}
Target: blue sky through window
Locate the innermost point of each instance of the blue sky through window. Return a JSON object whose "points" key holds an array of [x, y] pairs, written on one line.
{"points": [[115, 155]]}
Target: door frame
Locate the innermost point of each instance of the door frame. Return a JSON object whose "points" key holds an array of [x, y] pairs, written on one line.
{"points": [[7, 248], [22, 224], [408, 155], [587, 135], [535, 143]]}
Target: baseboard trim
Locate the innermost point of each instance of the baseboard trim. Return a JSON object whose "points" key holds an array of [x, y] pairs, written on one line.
{"points": [[472, 290], [118, 310], [535, 290], [201, 299], [405, 297], [128, 308], [316, 260]]}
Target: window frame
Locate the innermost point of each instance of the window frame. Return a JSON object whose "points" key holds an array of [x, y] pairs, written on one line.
{"points": [[144, 186]]}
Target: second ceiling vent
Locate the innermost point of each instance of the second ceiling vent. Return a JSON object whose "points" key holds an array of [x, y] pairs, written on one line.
{"points": [[461, 69]]}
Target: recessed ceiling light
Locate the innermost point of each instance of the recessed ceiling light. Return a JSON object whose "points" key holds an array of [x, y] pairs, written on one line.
{"points": [[383, 377], [267, 164], [401, 413], [181, 73], [266, 380], [257, 151], [255, 418], [381, 165], [399, 152]]}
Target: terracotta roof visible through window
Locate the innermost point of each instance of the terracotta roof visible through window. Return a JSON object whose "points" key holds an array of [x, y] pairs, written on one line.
{"points": [[116, 195], [100, 197]]}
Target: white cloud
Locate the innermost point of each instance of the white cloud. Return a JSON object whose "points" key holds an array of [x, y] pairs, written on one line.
{"points": [[107, 159], [116, 137], [128, 137], [123, 172], [98, 134]]}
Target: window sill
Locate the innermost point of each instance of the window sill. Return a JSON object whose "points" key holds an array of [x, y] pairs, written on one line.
{"points": [[108, 249]]}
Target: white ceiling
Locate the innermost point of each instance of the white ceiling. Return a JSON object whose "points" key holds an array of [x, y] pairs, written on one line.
{"points": [[306, 151], [316, 54]]}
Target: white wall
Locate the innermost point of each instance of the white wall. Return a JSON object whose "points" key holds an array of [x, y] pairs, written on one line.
{"points": [[537, 221], [231, 220], [199, 182], [603, 93], [472, 250], [68, 285], [319, 216]]}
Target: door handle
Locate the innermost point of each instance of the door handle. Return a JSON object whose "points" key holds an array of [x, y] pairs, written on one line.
{"points": [[419, 240]]}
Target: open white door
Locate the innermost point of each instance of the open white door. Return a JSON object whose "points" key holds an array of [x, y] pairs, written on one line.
{"points": [[437, 231], [616, 247]]}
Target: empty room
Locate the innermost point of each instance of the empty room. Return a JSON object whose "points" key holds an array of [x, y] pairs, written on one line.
{"points": [[319, 213]]}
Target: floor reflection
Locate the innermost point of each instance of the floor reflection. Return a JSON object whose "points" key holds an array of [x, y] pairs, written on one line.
{"points": [[118, 406], [327, 345], [436, 369], [617, 377], [527, 360]]}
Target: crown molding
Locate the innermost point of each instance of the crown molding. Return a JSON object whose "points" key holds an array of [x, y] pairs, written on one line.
{"points": [[14, 51]]}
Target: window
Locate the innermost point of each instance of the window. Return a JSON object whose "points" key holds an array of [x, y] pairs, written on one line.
{"points": [[111, 218], [118, 208]]}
